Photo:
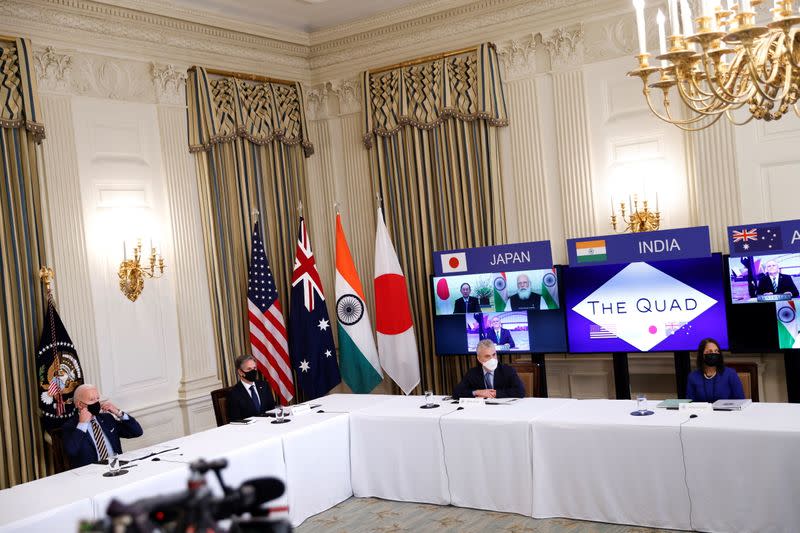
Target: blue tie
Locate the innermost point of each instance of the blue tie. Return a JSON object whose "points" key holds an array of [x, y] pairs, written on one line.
{"points": [[489, 379], [254, 396]]}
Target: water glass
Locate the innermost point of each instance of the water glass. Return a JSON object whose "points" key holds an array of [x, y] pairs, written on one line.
{"points": [[641, 403], [280, 414], [113, 463], [428, 398]]}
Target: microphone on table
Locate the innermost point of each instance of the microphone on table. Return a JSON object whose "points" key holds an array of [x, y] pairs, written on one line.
{"points": [[693, 416]]}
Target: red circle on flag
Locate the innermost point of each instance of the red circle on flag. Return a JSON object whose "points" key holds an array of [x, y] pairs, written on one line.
{"points": [[442, 289], [453, 262], [392, 312]]}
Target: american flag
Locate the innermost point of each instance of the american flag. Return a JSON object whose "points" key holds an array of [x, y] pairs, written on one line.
{"points": [[603, 331], [267, 329]]}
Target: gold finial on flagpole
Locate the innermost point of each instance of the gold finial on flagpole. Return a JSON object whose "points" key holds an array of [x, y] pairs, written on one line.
{"points": [[300, 208], [46, 275], [336, 206], [255, 214]]}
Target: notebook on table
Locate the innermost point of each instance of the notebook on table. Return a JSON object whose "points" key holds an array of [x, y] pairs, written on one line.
{"points": [[731, 405], [672, 403]]}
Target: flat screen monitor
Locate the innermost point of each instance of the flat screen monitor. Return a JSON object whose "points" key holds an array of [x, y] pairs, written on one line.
{"points": [[764, 278], [645, 306], [520, 311]]}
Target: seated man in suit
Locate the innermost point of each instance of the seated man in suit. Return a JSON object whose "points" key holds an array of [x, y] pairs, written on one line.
{"points": [[93, 433], [776, 283], [250, 396], [489, 379], [525, 297], [467, 303], [499, 335]]}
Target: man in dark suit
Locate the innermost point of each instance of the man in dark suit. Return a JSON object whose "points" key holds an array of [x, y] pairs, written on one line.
{"points": [[93, 433], [776, 283], [467, 303], [525, 297], [251, 396], [489, 379], [499, 335]]}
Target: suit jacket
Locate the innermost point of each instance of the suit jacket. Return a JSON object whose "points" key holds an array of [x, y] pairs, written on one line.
{"points": [[79, 446], [785, 284], [240, 404], [472, 307], [530, 303], [505, 337], [506, 383]]}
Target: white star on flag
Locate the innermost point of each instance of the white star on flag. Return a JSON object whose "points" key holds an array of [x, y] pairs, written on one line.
{"points": [[323, 324], [328, 353], [304, 366]]}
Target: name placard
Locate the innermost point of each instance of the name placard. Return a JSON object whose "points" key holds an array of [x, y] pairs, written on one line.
{"points": [[471, 402], [301, 409], [684, 243], [696, 407], [764, 239], [502, 258]]}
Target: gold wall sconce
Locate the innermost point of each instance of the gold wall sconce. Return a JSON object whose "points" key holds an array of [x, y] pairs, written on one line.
{"points": [[637, 220], [132, 274]]}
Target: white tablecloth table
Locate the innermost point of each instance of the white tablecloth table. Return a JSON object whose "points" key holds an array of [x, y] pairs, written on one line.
{"points": [[396, 451], [743, 469], [592, 460], [347, 403], [488, 457]]}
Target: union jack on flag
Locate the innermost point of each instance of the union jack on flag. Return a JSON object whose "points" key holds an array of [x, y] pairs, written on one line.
{"points": [[305, 270], [745, 235]]}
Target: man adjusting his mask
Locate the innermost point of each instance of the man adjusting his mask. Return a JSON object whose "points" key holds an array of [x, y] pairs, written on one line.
{"points": [[93, 433], [251, 396], [489, 379]]}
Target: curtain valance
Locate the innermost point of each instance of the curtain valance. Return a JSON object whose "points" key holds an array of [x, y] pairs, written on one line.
{"points": [[465, 86], [19, 95], [221, 109]]}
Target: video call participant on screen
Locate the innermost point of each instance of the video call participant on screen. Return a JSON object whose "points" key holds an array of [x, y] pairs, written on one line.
{"points": [[489, 379], [713, 380], [93, 433], [773, 282], [525, 297], [467, 303], [251, 396], [499, 335]]}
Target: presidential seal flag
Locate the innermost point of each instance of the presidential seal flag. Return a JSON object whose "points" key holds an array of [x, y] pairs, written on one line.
{"points": [[58, 370], [310, 331], [358, 355]]}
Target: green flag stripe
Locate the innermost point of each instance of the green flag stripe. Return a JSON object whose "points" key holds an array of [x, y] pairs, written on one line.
{"points": [[785, 337], [548, 298], [591, 258], [356, 370]]}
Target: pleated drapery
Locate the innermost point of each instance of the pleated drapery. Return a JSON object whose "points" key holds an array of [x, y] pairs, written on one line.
{"points": [[250, 142], [434, 159], [21, 255]]}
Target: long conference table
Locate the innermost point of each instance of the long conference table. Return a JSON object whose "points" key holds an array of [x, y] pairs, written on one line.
{"points": [[580, 459]]}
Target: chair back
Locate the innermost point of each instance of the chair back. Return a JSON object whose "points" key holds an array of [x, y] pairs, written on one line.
{"points": [[219, 399], [58, 456], [748, 373], [529, 374]]}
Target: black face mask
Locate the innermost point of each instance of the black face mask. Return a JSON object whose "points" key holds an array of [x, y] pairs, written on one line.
{"points": [[712, 359], [251, 375], [94, 408]]}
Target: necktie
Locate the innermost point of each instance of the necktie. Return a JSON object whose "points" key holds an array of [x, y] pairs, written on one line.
{"points": [[489, 379], [254, 396], [99, 440], [775, 284]]}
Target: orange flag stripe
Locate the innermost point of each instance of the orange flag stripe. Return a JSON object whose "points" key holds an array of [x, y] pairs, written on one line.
{"points": [[344, 261]]}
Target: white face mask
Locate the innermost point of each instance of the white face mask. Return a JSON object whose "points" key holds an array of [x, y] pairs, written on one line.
{"points": [[491, 364]]}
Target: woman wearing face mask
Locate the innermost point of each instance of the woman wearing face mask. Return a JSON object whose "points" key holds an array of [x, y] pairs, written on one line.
{"points": [[712, 380]]}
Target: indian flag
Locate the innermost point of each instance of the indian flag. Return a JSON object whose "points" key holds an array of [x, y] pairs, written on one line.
{"points": [[788, 324], [500, 291], [549, 290], [590, 251], [358, 356]]}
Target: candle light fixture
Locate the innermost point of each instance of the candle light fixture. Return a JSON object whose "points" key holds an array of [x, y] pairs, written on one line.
{"points": [[132, 274]]}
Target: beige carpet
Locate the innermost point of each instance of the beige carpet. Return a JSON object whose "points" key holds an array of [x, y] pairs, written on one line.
{"points": [[368, 515]]}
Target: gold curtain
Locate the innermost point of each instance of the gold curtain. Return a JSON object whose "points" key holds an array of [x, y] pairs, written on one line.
{"points": [[435, 162], [21, 255], [250, 142]]}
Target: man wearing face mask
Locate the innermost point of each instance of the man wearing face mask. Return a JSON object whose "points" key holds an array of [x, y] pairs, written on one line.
{"points": [[713, 380], [93, 434], [251, 396], [489, 379]]}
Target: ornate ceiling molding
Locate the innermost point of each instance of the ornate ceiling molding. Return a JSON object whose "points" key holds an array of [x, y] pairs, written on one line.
{"points": [[518, 57], [565, 47], [332, 99]]}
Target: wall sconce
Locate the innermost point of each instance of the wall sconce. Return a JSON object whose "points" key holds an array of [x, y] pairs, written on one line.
{"points": [[638, 220], [132, 275]]}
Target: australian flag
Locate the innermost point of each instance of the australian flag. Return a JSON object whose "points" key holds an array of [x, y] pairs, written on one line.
{"points": [[757, 239], [310, 333]]}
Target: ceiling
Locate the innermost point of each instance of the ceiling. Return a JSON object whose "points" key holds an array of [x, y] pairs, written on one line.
{"points": [[297, 15]]}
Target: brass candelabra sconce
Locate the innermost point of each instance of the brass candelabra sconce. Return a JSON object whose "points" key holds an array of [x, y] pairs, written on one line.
{"points": [[132, 274], [637, 220]]}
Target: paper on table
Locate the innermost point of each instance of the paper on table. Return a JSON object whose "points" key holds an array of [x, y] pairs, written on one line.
{"points": [[144, 452], [501, 401]]}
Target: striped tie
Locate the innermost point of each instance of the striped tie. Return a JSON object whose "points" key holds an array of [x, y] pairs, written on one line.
{"points": [[100, 441]]}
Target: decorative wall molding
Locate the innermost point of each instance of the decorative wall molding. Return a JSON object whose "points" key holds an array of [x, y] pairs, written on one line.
{"points": [[333, 98], [565, 47], [170, 84], [53, 70], [518, 57]]}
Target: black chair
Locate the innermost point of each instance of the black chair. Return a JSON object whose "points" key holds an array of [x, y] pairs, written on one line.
{"points": [[219, 399], [59, 462]]}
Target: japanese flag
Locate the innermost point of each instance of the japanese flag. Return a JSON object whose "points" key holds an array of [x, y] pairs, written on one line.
{"points": [[452, 263]]}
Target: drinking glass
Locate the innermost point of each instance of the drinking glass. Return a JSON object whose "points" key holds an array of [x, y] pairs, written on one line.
{"points": [[428, 398], [641, 403], [113, 463], [280, 414]]}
